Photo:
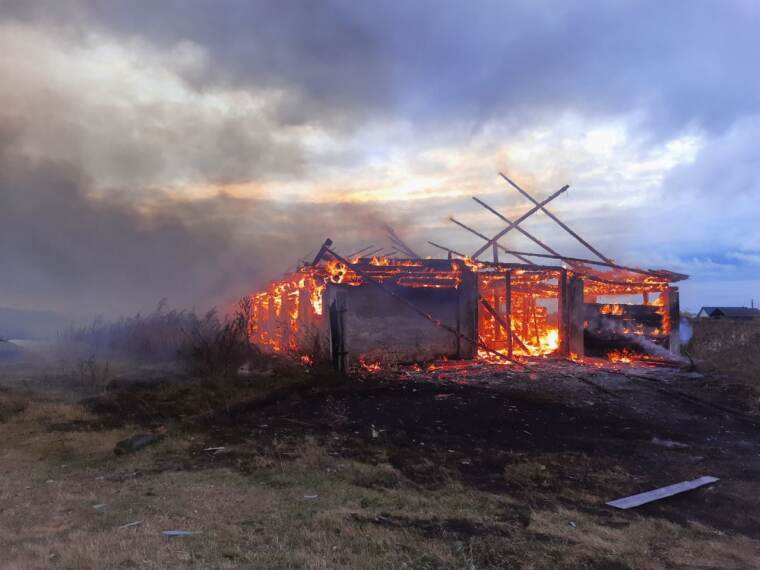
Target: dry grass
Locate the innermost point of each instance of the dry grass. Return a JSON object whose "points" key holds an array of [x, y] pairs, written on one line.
{"points": [[729, 348], [298, 506]]}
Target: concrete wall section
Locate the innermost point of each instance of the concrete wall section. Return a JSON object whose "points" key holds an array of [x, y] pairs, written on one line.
{"points": [[382, 329]]}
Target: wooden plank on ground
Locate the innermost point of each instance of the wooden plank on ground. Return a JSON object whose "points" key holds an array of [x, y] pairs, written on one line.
{"points": [[661, 493]]}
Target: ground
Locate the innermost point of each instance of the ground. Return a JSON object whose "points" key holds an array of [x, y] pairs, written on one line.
{"points": [[476, 466]]}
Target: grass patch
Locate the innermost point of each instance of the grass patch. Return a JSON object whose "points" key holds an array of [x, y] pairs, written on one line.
{"points": [[729, 348]]}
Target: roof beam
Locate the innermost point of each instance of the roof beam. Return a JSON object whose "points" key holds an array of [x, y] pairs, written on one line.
{"points": [[496, 243], [519, 220], [527, 234], [561, 224]]}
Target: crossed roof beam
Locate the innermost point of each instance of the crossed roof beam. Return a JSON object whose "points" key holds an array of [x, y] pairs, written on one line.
{"points": [[559, 222], [493, 242]]}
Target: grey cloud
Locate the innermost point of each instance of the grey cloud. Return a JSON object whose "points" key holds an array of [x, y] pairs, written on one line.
{"points": [[148, 143], [68, 251], [725, 169], [674, 64]]}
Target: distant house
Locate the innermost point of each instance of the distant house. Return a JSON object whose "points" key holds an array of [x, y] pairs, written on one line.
{"points": [[733, 313]]}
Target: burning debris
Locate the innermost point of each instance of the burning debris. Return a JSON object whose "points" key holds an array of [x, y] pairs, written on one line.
{"points": [[373, 309]]}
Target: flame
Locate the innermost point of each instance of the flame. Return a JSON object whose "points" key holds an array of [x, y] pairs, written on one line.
{"points": [[616, 310], [336, 271], [624, 356], [289, 314], [472, 264], [315, 297], [575, 357], [371, 367], [550, 340], [380, 261], [533, 313]]}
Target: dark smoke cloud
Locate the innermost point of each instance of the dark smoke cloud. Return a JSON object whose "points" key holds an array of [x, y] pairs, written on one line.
{"points": [[673, 65], [65, 250]]}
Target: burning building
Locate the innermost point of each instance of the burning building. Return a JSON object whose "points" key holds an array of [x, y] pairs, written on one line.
{"points": [[371, 308]]}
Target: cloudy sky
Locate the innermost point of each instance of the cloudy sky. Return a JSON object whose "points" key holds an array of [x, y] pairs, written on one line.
{"points": [[193, 149]]}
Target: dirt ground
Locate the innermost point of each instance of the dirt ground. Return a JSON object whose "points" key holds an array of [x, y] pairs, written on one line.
{"points": [[470, 467]]}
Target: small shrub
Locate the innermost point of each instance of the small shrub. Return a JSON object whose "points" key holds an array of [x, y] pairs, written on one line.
{"points": [[216, 347], [94, 374]]}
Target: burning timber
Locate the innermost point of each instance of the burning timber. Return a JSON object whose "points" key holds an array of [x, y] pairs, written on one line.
{"points": [[381, 310], [374, 310]]}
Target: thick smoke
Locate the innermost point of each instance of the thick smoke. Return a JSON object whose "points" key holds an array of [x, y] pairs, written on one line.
{"points": [[93, 145], [110, 110], [66, 250]]}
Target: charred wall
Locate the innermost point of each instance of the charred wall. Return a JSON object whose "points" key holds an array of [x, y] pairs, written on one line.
{"points": [[366, 322]]}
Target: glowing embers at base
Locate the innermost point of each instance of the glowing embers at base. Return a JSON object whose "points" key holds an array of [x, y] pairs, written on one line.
{"points": [[371, 367], [624, 356]]}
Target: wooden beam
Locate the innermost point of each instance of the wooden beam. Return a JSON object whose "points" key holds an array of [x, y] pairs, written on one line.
{"points": [[563, 314], [556, 219], [401, 242], [444, 248], [499, 320], [518, 228], [354, 254], [576, 316], [508, 311], [672, 306], [494, 243], [649, 273], [322, 250], [373, 252], [519, 220], [661, 493], [400, 247]]}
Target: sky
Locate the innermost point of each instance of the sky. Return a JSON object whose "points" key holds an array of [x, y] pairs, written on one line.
{"points": [[192, 150]]}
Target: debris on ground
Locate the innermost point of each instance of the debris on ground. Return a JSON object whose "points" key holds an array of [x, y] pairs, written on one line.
{"points": [[670, 444], [661, 493], [130, 525], [172, 533], [135, 442]]}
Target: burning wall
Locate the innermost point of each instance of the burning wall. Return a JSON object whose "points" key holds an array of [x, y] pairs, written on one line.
{"points": [[332, 310]]}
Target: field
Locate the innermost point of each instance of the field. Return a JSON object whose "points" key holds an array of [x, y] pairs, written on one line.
{"points": [[729, 350], [470, 468]]}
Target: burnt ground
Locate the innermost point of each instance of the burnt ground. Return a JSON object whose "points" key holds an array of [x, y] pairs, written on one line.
{"points": [[557, 436]]}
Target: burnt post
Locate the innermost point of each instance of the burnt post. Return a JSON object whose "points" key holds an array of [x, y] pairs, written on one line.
{"points": [[467, 321], [338, 332], [673, 307], [575, 316], [508, 310], [322, 251], [285, 322], [563, 313]]}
